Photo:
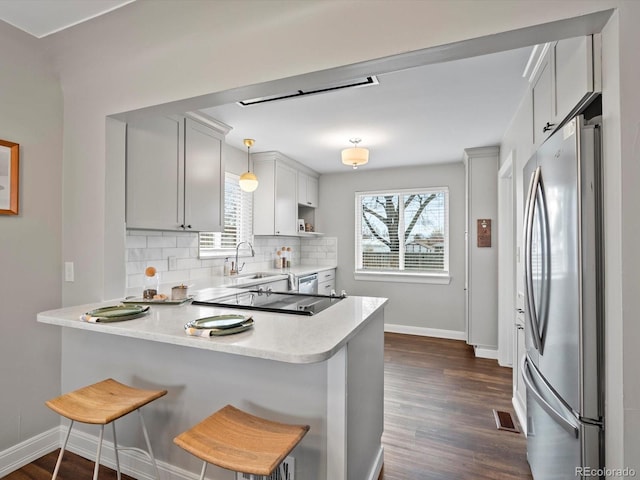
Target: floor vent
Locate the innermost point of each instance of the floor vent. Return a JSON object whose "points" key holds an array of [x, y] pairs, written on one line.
{"points": [[504, 421], [286, 471]]}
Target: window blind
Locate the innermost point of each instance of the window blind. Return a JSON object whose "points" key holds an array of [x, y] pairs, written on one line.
{"points": [[238, 208], [403, 231]]}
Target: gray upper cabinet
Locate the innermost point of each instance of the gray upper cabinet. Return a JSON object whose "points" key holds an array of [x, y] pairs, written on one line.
{"points": [[577, 73], [543, 112], [307, 190], [203, 178], [567, 78], [274, 202], [174, 175]]}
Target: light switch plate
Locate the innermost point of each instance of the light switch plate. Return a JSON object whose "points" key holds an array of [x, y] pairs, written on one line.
{"points": [[68, 271], [173, 263]]}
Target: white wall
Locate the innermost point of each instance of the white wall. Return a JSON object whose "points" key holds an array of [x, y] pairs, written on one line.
{"points": [[517, 141], [412, 305], [621, 104], [30, 243]]}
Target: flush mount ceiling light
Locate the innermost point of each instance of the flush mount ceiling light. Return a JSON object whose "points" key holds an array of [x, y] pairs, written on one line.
{"points": [[248, 181], [355, 156]]}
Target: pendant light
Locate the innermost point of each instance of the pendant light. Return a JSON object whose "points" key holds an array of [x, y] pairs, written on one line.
{"points": [[248, 181], [355, 156]]}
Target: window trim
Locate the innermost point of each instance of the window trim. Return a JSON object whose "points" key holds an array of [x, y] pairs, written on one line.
{"points": [[404, 276]]}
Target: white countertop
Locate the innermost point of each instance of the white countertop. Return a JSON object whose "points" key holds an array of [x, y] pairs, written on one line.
{"points": [[274, 336]]}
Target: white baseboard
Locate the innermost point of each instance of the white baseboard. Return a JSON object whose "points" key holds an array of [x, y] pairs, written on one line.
{"points": [[26, 452], [425, 332], [132, 463], [521, 414], [85, 445], [376, 468], [486, 353]]}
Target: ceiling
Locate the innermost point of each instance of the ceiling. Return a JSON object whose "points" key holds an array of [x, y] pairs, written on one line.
{"points": [[417, 116], [423, 115], [44, 17]]}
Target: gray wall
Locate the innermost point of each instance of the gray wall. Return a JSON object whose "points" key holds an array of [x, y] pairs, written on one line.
{"points": [[164, 64], [30, 243], [412, 304]]}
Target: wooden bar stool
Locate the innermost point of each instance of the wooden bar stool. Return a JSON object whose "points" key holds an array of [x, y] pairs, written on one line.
{"points": [[103, 403], [238, 441]]}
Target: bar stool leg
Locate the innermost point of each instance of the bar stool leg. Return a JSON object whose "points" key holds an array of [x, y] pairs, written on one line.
{"points": [[64, 445], [146, 438], [204, 469], [115, 450], [97, 465]]}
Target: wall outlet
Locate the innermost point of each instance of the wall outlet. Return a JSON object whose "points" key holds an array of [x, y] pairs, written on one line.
{"points": [[173, 263], [68, 271]]}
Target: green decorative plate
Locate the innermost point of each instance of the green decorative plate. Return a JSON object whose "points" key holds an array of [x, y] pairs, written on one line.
{"points": [[219, 322], [117, 313]]}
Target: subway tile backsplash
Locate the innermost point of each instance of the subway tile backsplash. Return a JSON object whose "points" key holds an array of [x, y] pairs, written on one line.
{"points": [[152, 248]]}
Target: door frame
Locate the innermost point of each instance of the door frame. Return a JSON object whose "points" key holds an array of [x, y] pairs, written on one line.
{"points": [[506, 263]]}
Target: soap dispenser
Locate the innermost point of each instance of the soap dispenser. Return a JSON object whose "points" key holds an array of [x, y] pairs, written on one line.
{"points": [[227, 267]]}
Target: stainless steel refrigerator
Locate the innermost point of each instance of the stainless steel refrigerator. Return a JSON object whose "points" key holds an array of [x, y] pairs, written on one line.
{"points": [[563, 367]]}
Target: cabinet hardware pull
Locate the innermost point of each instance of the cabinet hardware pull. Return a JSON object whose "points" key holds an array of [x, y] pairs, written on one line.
{"points": [[182, 226], [188, 226], [548, 127], [308, 203]]}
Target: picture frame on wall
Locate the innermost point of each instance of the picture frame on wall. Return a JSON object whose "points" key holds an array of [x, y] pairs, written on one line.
{"points": [[9, 177]]}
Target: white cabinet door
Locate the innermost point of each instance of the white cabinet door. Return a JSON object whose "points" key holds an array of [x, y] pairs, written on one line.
{"points": [[264, 198], [574, 74], [154, 174], [307, 190], [174, 175], [286, 206], [326, 281], [203, 171], [543, 111]]}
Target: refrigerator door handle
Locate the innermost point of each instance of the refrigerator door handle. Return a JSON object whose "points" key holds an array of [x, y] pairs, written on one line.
{"points": [[567, 422], [528, 260]]}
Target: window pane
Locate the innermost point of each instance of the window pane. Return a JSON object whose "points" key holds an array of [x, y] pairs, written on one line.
{"points": [[405, 230], [380, 245], [238, 206], [424, 220]]}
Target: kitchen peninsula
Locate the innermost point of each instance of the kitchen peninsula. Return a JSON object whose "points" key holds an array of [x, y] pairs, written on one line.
{"points": [[324, 370]]}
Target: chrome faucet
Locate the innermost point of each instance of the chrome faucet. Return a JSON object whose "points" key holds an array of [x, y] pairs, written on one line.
{"points": [[239, 268]]}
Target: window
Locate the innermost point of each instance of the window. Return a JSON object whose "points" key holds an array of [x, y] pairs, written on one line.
{"points": [[403, 233], [238, 215]]}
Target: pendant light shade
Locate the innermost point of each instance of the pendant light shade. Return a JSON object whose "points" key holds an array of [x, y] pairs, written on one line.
{"points": [[248, 181], [355, 156]]}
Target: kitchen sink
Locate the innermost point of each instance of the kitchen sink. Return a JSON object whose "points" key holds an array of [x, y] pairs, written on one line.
{"points": [[255, 276]]}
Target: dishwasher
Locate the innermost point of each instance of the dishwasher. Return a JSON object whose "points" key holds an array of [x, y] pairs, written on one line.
{"points": [[308, 284]]}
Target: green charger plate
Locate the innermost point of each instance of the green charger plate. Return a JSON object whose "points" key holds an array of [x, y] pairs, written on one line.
{"points": [[220, 322], [118, 313]]}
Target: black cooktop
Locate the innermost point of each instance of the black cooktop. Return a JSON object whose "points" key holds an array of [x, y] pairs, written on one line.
{"points": [[280, 302]]}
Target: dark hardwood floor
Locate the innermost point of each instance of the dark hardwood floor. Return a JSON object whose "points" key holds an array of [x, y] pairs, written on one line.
{"points": [[73, 467], [438, 418], [438, 423]]}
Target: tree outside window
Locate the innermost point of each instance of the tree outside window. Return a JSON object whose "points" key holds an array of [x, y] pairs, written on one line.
{"points": [[402, 231]]}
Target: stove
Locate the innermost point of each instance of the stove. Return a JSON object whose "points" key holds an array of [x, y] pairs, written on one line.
{"points": [[280, 302]]}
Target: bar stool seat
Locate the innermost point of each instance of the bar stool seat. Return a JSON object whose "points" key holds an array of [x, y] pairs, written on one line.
{"points": [[241, 442], [103, 403]]}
